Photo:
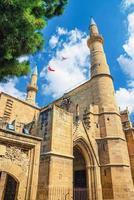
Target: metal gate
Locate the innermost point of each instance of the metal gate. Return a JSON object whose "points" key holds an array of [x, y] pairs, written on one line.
{"points": [[80, 194]]}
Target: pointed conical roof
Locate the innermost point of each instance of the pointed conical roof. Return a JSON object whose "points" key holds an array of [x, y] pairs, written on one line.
{"points": [[35, 71], [92, 22]]}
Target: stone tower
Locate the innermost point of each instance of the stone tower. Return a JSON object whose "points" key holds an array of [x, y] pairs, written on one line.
{"points": [[32, 87], [112, 147]]}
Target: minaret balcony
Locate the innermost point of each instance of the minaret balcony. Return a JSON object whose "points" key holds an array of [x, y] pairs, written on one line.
{"points": [[95, 38], [32, 88]]}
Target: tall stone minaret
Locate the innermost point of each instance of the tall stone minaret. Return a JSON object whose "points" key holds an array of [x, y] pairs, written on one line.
{"points": [[115, 167], [32, 88], [98, 58], [100, 71]]}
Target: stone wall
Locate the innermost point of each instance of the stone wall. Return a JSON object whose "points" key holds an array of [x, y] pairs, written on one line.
{"points": [[14, 109], [56, 164], [19, 157], [130, 142]]}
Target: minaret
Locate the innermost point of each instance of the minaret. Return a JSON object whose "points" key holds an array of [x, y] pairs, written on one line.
{"points": [[98, 58], [32, 88], [100, 70], [115, 167]]}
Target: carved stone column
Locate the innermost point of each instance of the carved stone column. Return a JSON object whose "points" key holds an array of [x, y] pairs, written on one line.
{"points": [[93, 180], [3, 177]]}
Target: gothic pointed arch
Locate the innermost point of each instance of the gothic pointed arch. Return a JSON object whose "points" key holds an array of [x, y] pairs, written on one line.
{"points": [[85, 150], [19, 176], [9, 186]]}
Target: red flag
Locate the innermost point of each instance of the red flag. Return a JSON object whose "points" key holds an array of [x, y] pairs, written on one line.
{"points": [[50, 69]]}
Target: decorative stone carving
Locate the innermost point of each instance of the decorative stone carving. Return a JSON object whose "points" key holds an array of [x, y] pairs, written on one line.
{"points": [[86, 118], [65, 104], [75, 129], [2, 150], [45, 123], [17, 156]]}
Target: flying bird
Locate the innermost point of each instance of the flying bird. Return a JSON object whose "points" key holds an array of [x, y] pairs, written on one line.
{"points": [[64, 58], [51, 69]]}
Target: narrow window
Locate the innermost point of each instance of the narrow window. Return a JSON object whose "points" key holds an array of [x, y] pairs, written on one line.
{"points": [[97, 125], [105, 172], [103, 145], [77, 112]]}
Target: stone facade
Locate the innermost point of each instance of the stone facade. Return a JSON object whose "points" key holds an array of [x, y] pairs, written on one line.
{"points": [[17, 158], [87, 147]]}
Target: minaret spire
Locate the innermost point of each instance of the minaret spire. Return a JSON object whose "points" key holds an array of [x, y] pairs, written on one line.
{"points": [[32, 87], [92, 22], [98, 59], [93, 27], [35, 70]]}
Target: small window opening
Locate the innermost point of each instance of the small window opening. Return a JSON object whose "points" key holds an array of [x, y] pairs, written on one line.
{"points": [[103, 145], [105, 173], [77, 112]]}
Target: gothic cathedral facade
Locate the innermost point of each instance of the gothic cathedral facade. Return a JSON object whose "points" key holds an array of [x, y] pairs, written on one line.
{"points": [[79, 147]]}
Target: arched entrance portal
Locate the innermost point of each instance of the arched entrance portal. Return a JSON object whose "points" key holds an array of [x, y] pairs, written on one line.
{"points": [[79, 176], [8, 187]]}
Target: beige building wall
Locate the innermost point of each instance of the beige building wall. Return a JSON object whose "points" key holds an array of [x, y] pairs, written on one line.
{"points": [[12, 109], [129, 133], [19, 157], [3, 176], [57, 179]]}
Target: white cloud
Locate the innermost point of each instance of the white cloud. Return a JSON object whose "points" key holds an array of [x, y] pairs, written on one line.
{"points": [[127, 3], [61, 31], [23, 58], [53, 41], [129, 45], [71, 71], [127, 65], [10, 88], [126, 60], [131, 84], [125, 98]]}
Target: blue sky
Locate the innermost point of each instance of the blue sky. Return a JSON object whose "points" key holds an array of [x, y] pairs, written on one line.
{"points": [[66, 36]]}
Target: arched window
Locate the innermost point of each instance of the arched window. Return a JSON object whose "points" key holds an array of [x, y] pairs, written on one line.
{"points": [[77, 112]]}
